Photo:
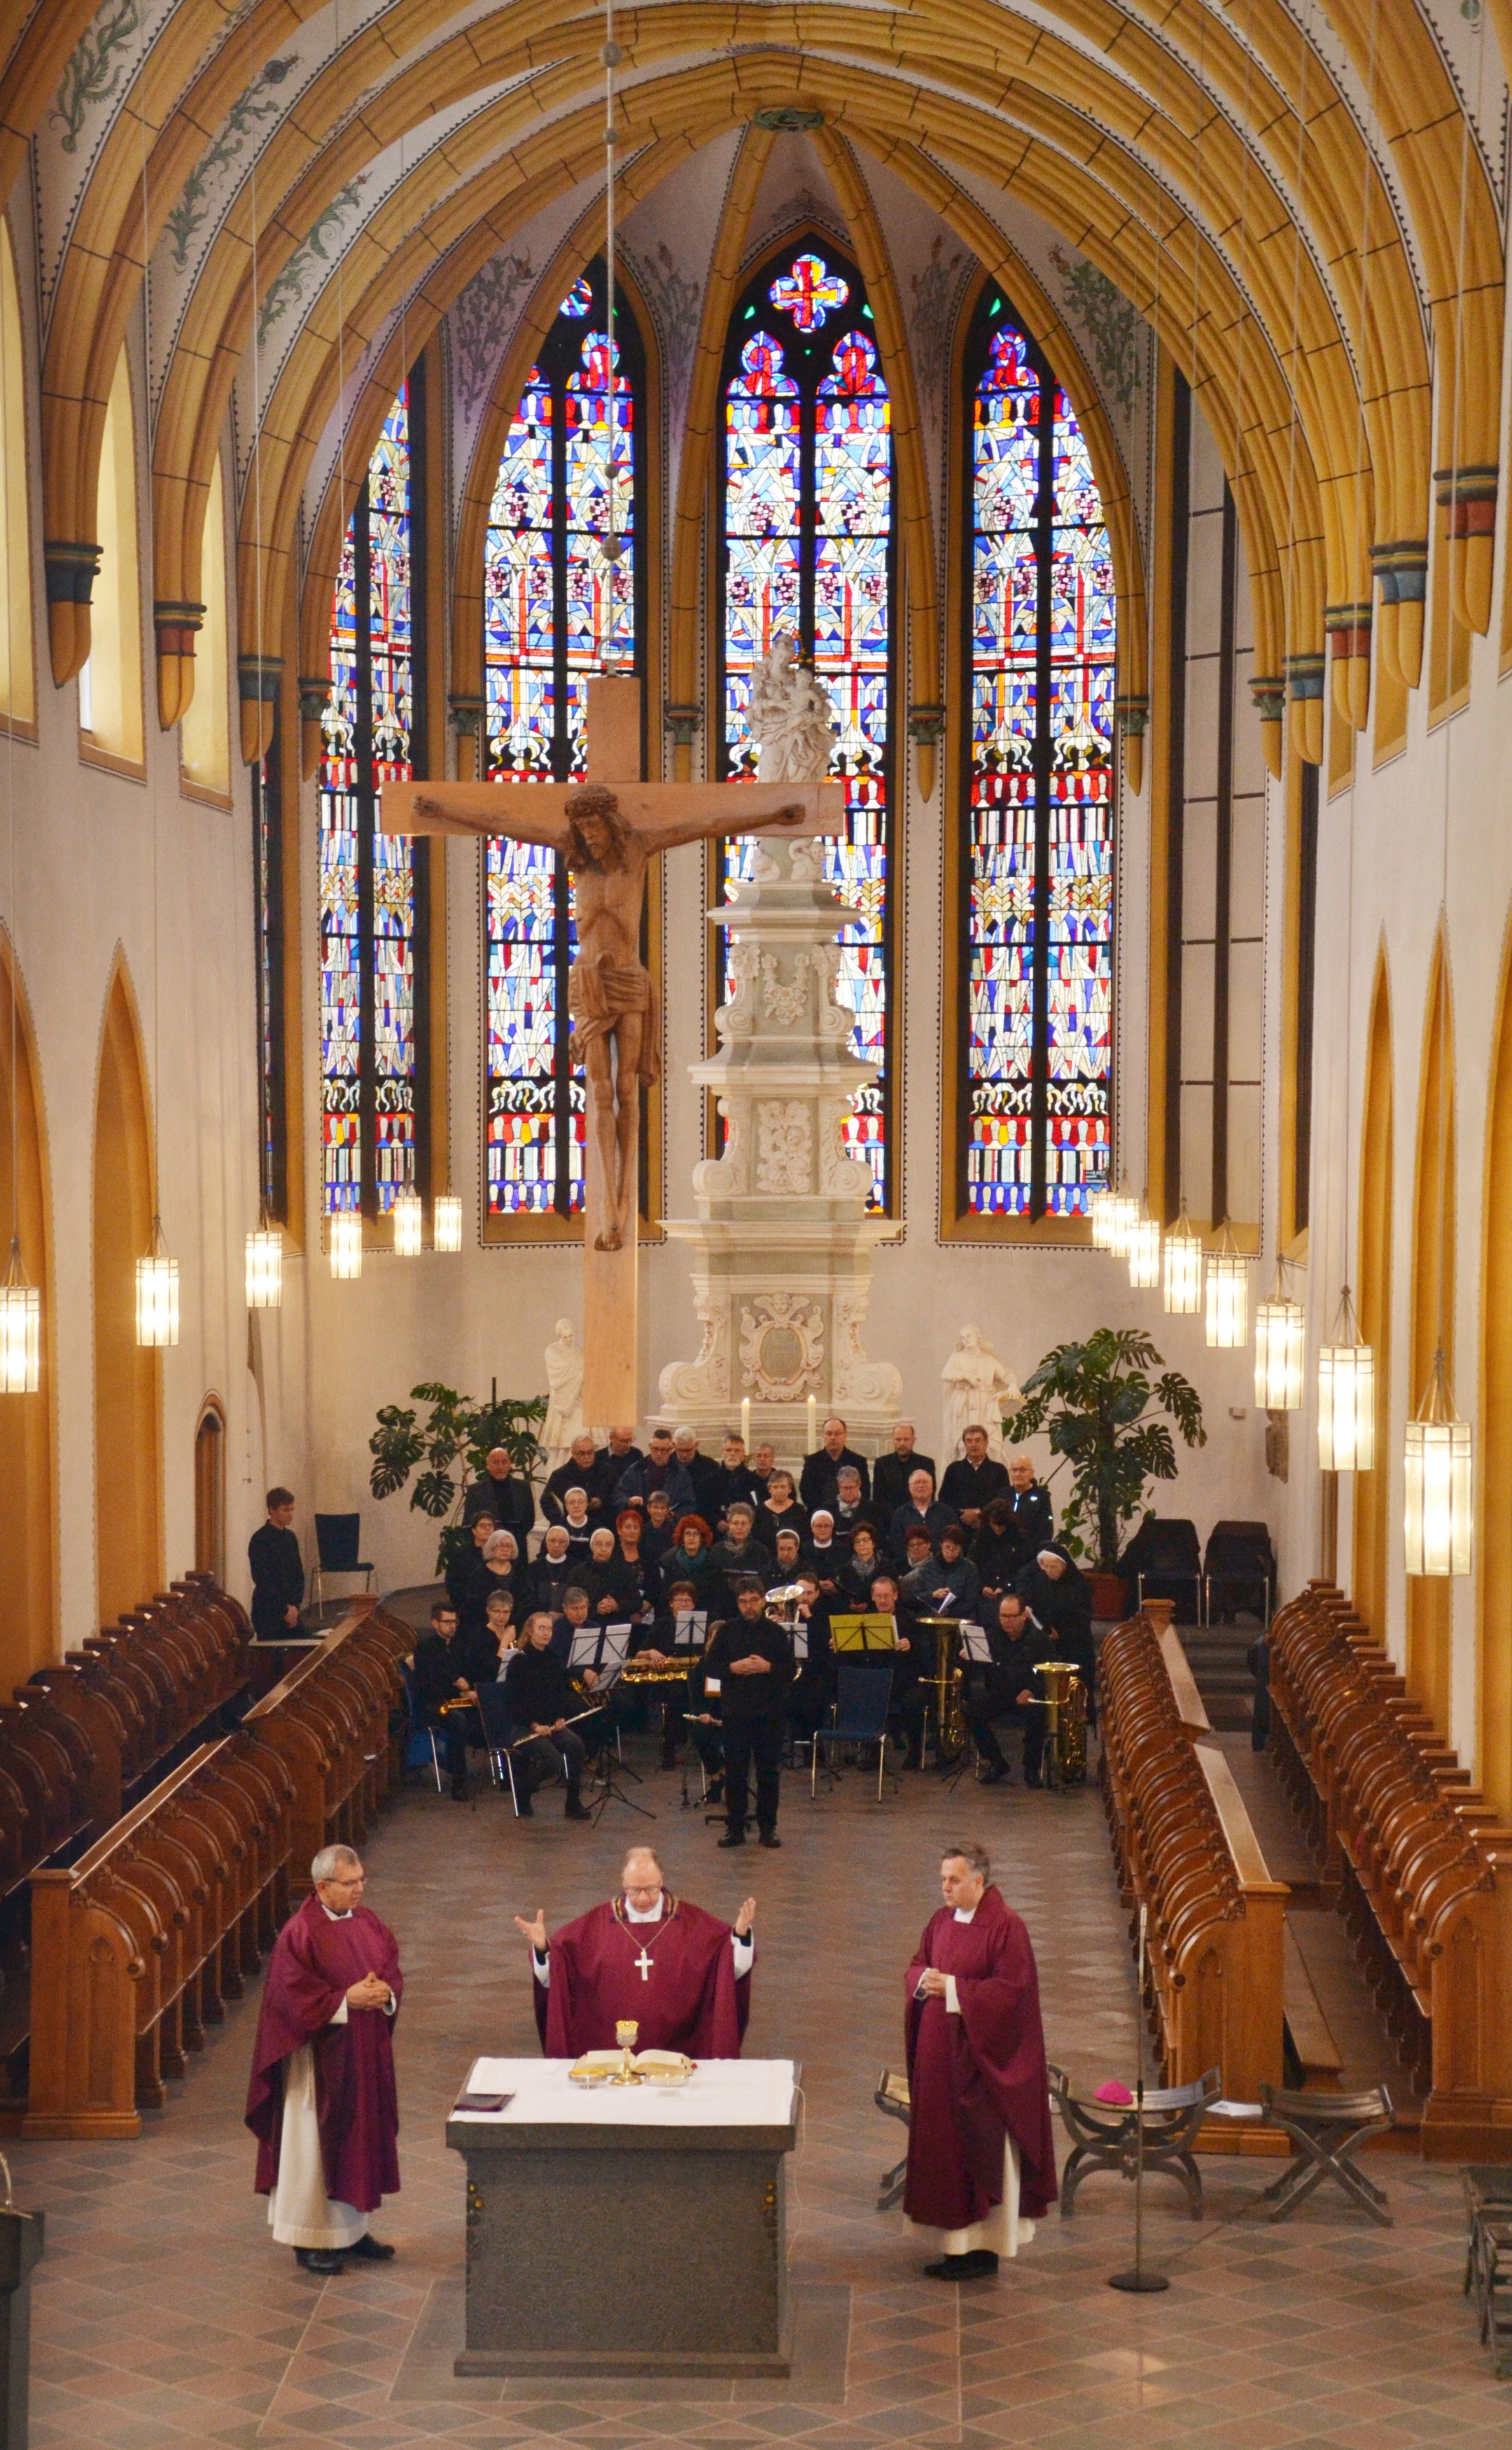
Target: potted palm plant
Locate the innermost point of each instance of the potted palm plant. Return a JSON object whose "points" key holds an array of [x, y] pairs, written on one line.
{"points": [[453, 1443], [1099, 1404]]}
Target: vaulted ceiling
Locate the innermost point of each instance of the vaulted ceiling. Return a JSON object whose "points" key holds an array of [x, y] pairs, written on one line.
{"points": [[1307, 203]]}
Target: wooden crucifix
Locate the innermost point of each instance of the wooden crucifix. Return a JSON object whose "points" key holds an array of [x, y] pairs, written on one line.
{"points": [[609, 829]]}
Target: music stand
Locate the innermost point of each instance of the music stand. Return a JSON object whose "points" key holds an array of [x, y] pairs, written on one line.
{"points": [[976, 1651], [868, 1632], [605, 1648]]}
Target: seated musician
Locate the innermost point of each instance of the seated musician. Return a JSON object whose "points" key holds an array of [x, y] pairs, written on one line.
{"points": [[541, 1700], [1060, 1594], [503, 1632], [813, 1687], [946, 1584], [737, 1554], [1007, 1691], [441, 1678], [824, 1556], [573, 1617], [855, 1576], [909, 1662], [676, 1633]]}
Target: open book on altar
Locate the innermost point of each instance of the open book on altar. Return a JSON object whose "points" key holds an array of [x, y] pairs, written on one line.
{"points": [[664, 2067]]}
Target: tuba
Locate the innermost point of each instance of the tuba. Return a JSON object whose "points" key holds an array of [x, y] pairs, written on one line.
{"points": [[1065, 1700], [947, 1707]]}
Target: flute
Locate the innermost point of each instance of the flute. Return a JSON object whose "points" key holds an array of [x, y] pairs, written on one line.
{"points": [[552, 1731]]}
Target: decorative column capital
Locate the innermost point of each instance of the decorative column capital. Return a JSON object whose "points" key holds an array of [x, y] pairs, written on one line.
{"points": [[926, 726], [682, 724], [467, 714]]}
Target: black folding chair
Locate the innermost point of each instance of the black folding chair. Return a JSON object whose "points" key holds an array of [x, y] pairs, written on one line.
{"points": [[337, 1538], [1327, 2129], [863, 1698], [1240, 1566], [892, 2098], [1105, 2134], [1165, 1558], [499, 1733]]}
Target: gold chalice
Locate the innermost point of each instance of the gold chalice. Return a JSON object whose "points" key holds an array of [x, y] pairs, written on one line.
{"points": [[627, 2032]]}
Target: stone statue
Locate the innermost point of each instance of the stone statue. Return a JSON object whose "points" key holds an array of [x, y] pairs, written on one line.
{"points": [[791, 717], [978, 1388], [564, 1394]]}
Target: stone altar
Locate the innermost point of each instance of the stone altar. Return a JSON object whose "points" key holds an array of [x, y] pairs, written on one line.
{"points": [[574, 2196], [780, 1248]]}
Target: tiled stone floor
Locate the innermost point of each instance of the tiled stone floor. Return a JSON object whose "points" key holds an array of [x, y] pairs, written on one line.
{"points": [[164, 2316]]}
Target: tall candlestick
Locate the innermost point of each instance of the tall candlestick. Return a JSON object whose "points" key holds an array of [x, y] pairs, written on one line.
{"points": [[813, 1423], [744, 1422]]}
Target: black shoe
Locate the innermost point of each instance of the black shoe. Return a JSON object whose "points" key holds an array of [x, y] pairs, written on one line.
{"points": [[981, 2264], [458, 1790], [739, 1840], [319, 2258], [950, 2267], [999, 1775], [370, 2249], [576, 1809], [769, 1838], [716, 1791], [525, 1809]]}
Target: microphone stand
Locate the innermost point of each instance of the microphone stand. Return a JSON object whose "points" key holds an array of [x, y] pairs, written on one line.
{"points": [[1138, 2281]]}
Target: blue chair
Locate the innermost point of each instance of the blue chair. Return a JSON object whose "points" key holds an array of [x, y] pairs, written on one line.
{"points": [[420, 1742], [862, 1700], [337, 1538]]}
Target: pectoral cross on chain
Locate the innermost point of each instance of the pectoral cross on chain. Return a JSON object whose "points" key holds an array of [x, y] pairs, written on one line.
{"points": [[644, 1963]]}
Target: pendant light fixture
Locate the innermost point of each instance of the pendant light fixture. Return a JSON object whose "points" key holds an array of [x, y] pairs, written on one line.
{"points": [[409, 1225], [264, 1267], [1227, 1295], [1437, 1483], [20, 1327], [346, 1244], [1099, 1215], [1144, 1251], [1123, 1216], [157, 1293], [1346, 1396], [446, 1222], [1183, 1269], [1280, 1348]]}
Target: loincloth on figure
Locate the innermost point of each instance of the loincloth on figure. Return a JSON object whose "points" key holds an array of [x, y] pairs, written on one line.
{"points": [[601, 994]]}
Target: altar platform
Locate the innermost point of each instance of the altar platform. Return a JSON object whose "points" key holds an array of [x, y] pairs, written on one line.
{"points": [[575, 2195]]}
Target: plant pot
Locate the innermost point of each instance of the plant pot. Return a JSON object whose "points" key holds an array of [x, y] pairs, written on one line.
{"points": [[1109, 1596]]}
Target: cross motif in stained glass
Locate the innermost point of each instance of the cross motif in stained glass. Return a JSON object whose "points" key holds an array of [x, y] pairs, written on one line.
{"points": [[579, 300], [808, 291]]}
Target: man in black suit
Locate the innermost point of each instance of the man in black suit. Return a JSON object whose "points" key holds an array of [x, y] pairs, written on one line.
{"points": [[816, 1484], [580, 1471], [972, 1479], [616, 1457], [503, 1493], [278, 1571], [440, 1673], [1006, 1691], [1033, 1516], [889, 1479]]}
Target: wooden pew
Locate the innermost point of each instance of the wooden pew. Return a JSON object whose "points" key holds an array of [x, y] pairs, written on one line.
{"points": [[1186, 1853], [139, 1946], [1414, 1858]]}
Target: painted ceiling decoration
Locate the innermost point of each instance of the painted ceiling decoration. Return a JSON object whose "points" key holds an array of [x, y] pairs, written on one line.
{"points": [[1303, 203]]}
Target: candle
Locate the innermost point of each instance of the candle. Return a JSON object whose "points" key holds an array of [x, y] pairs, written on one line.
{"points": [[813, 1423], [744, 1422]]}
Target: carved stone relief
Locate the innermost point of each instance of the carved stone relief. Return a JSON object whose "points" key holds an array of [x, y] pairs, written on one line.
{"points": [[855, 1378], [782, 1348], [785, 1145], [783, 1000], [688, 1385]]}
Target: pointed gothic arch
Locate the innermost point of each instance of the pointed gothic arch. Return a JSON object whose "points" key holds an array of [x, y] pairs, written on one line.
{"points": [[1430, 1319], [29, 1560], [127, 1380]]}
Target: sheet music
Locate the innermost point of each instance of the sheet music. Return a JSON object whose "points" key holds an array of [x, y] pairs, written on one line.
{"points": [[691, 1631], [584, 1653], [617, 1643], [800, 1633], [976, 1644]]}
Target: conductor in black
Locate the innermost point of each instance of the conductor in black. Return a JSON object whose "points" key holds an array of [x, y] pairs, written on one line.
{"points": [[750, 1658]]}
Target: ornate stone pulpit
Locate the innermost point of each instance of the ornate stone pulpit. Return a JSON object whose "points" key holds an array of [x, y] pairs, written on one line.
{"points": [[780, 1248]]}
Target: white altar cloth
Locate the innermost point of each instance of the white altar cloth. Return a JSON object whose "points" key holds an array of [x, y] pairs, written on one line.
{"points": [[719, 2093]]}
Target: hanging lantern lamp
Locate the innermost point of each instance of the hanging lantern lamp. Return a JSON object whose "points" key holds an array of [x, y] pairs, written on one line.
{"points": [[1280, 1349], [1183, 1269], [157, 1293], [1437, 1483], [409, 1225], [20, 1330], [1144, 1251], [1228, 1290], [265, 1268], [346, 1244], [446, 1223]]}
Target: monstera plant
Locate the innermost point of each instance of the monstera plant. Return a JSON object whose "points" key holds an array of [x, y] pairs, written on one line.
{"points": [[451, 1444], [1099, 1404]]}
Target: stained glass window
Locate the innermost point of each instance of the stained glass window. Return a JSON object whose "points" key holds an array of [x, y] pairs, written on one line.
{"points": [[555, 609], [267, 902], [806, 545], [1039, 872], [372, 884]]}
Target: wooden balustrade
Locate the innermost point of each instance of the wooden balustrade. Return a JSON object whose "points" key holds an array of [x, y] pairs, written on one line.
{"points": [[1415, 1859], [1186, 1852], [136, 1948]]}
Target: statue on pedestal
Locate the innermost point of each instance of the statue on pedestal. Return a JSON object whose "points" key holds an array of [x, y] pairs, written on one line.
{"points": [[978, 1386], [564, 1394], [791, 717]]}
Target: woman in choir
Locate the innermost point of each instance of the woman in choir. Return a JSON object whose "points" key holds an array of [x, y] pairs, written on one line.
{"points": [[782, 1512], [856, 1574], [690, 1557]]}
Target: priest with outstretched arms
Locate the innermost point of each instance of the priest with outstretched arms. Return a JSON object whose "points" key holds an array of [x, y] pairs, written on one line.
{"points": [[981, 2159], [679, 1973]]}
